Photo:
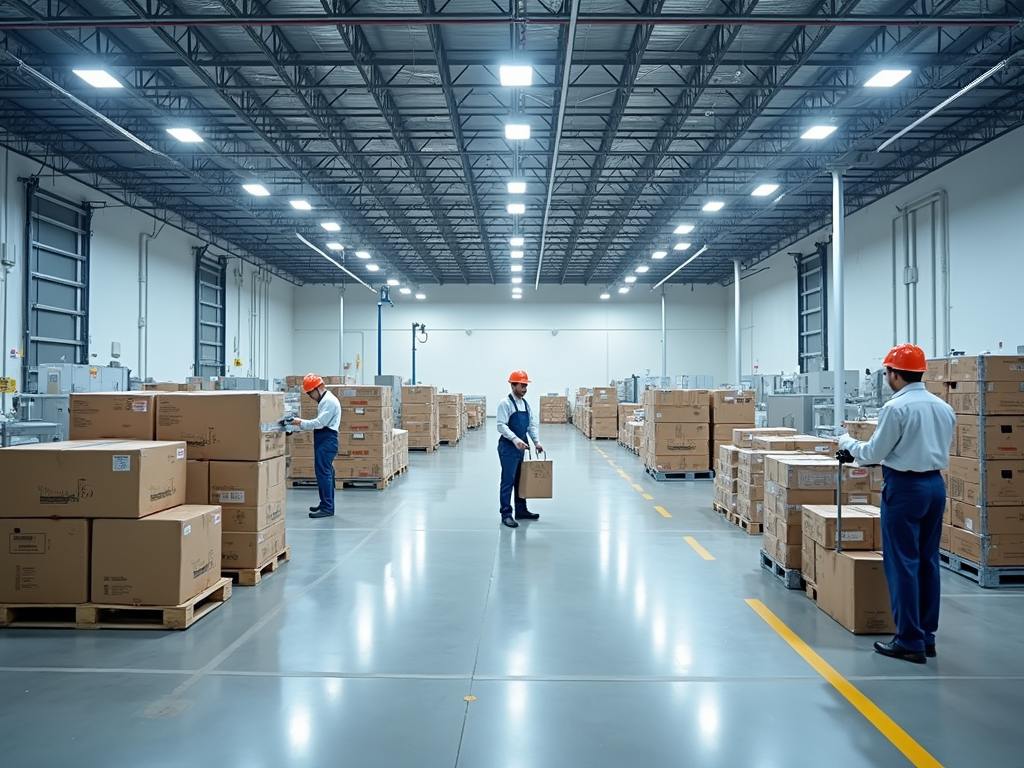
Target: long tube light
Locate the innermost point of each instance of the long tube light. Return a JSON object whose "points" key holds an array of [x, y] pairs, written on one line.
{"points": [[335, 263], [670, 274]]}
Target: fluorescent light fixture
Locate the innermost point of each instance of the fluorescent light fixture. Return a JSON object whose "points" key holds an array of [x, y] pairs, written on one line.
{"points": [[517, 280], [606, 295], [680, 246], [624, 289], [336, 246], [372, 268], [405, 291], [98, 78], [301, 205], [516, 242], [515, 76], [683, 229], [659, 254], [516, 208], [517, 267], [331, 226], [818, 132], [421, 296], [887, 78], [363, 254], [392, 282], [515, 254], [764, 190], [642, 268], [517, 295], [517, 187], [713, 205], [517, 131], [256, 190], [631, 279], [516, 289], [186, 135]]}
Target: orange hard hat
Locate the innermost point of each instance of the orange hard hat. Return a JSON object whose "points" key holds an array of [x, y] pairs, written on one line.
{"points": [[906, 357], [518, 377], [311, 382]]}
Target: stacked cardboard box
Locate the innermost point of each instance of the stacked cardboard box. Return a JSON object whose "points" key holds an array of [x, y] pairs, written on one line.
{"points": [[604, 413], [476, 413], [631, 435], [420, 417], [365, 439], [120, 415], [986, 471], [727, 468], [399, 456], [451, 409], [677, 430], [730, 410], [790, 481], [252, 496], [554, 409], [581, 410], [747, 473]]}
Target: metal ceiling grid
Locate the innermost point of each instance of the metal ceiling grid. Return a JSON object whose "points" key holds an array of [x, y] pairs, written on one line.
{"points": [[387, 115]]}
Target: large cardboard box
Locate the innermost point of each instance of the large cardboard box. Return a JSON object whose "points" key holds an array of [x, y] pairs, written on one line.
{"points": [[164, 559], [197, 482], [679, 463], [733, 406], [1004, 437], [999, 520], [800, 473], [945, 542], [418, 394], [744, 437], [786, 554], [85, 478], [997, 368], [798, 443], [938, 370], [994, 550], [1000, 398], [1004, 482], [819, 525], [683, 398], [252, 550], [352, 468], [676, 447], [118, 415], [668, 431], [369, 395], [257, 518], [302, 468], [301, 444], [232, 426], [852, 590], [680, 414], [245, 483], [44, 561]]}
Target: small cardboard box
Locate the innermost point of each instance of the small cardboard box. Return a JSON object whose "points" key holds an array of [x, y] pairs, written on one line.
{"points": [[744, 436], [116, 415], [253, 519], [197, 482], [861, 430], [852, 590], [252, 550], [164, 559], [44, 561], [536, 480], [800, 473], [819, 524], [418, 394], [245, 483], [230, 426]]}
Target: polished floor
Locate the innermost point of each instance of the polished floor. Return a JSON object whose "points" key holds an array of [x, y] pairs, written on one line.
{"points": [[412, 630]]}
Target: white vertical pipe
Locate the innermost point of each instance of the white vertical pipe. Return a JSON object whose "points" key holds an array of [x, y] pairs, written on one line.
{"points": [[838, 354], [341, 333], [736, 310], [664, 340]]}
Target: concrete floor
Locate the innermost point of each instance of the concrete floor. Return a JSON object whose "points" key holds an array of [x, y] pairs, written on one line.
{"points": [[596, 636]]}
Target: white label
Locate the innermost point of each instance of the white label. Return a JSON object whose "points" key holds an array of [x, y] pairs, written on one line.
{"points": [[140, 406], [360, 410], [358, 435], [122, 463], [859, 472], [187, 531], [970, 524], [216, 518], [180, 453], [853, 535], [822, 448], [231, 497]]}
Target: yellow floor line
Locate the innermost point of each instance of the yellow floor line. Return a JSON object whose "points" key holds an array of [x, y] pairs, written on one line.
{"points": [[648, 496], [900, 739], [698, 548], [663, 512], [638, 487]]}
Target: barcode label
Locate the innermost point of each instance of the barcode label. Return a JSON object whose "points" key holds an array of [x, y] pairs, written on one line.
{"points": [[140, 406], [231, 497], [122, 463], [180, 453]]}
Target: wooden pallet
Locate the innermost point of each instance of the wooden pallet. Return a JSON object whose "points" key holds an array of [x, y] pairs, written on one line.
{"points": [[707, 474], [715, 506], [748, 526], [102, 616], [427, 448], [250, 577], [988, 576], [604, 437], [300, 482], [811, 590], [450, 442], [791, 578]]}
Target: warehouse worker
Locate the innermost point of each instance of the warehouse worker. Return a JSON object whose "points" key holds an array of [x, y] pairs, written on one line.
{"points": [[515, 424], [915, 429], [325, 441]]}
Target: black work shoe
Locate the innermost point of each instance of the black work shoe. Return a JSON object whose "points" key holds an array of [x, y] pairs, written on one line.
{"points": [[897, 651], [320, 513], [315, 509], [527, 515], [929, 651], [509, 521]]}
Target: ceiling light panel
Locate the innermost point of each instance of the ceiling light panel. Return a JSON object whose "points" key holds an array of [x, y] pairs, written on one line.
{"points": [[516, 209], [683, 229], [713, 205], [301, 205], [517, 187], [659, 254], [335, 246], [98, 78], [185, 135], [764, 190], [256, 190], [517, 131], [363, 254], [516, 242], [331, 226], [515, 76], [887, 78], [818, 132], [631, 279], [516, 254], [680, 246]]}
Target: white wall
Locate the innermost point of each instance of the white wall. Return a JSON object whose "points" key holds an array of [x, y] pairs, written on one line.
{"points": [[986, 204], [114, 288]]}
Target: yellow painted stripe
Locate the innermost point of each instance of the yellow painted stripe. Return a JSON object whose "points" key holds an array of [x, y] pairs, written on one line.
{"points": [[663, 512], [698, 548], [648, 496], [638, 487], [900, 739]]}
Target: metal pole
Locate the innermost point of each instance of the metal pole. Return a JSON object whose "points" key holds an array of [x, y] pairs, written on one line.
{"points": [[414, 354], [341, 334], [664, 341], [736, 310], [379, 342], [838, 244]]}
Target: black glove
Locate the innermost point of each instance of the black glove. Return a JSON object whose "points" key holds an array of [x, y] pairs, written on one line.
{"points": [[843, 456]]}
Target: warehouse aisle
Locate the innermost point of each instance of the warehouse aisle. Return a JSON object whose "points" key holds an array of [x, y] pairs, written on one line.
{"points": [[414, 630]]}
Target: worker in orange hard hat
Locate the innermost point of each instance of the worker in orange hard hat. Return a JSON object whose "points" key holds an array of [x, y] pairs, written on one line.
{"points": [[325, 441], [516, 425], [911, 442]]}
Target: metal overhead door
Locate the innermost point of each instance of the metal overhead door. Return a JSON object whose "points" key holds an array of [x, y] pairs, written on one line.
{"points": [[812, 297], [211, 273]]}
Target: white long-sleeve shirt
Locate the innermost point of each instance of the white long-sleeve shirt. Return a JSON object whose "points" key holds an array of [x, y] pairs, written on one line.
{"points": [[328, 414], [506, 407], [915, 430]]}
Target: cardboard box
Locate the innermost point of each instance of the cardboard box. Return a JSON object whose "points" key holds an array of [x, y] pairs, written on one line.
{"points": [[245, 483], [117, 415], [681, 398], [733, 407], [997, 368], [786, 554], [852, 590], [1000, 398], [302, 468], [800, 473], [999, 520], [679, 463], [743, 437], [369, 395], [819, 524], [994, 550], [223, 425], [679, 414], [729, 455], [164, 559], [360, 468], [1004, 482], [252, 550], [807, 560], [258, 518], [300, 444], [102, 478], [418, 394], [363, 439], [676, 447], [1004, 437], [947, 537], [798, 443], [197, 482], [861, 430], [44, 561], [938, 370]]}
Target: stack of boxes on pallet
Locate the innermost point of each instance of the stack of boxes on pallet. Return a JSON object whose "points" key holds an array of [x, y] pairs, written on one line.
{"points": [[476, 413], [451, 413], [554, 409], [730, 410], [368, 446], [631, 426], [676, 430], [732, 485], [420, 417], [604, 413]]}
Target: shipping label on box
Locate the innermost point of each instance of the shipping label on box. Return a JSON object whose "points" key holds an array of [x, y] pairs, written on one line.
{"points": [[44, 561]]}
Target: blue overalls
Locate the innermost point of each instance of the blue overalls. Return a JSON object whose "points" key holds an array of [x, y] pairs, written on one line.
{"points": [[325, 450], [912, 507], [512, 460]]}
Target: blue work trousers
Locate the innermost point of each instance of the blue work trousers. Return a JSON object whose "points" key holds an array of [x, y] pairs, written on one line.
{"points": [[325, 450], [511, 459]]}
